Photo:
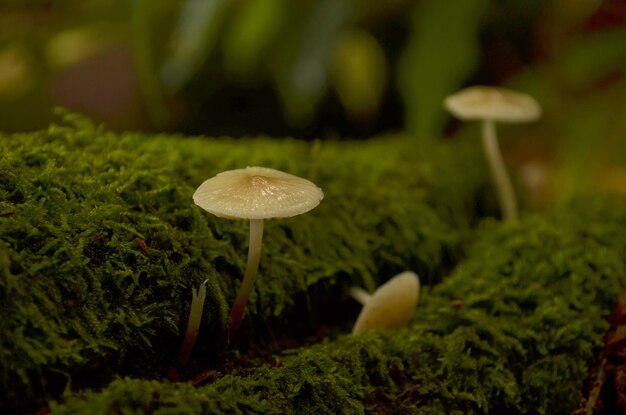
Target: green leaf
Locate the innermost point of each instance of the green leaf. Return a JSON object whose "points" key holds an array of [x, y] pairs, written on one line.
{"points": [[193, 40], [251, 32], [442, 50], [144, 59], [300, 67]]}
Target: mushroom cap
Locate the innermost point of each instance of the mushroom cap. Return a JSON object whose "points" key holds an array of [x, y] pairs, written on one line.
{"points": [[257, 193], [497, 104], [392, 304]]}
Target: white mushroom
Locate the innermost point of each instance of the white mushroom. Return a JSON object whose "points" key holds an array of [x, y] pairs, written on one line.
{"points": [[491, 104], [193, 323], [255, 193], [391, 306]]}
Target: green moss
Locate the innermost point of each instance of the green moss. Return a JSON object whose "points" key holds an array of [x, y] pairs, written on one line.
{"points": [[79, 292], [513, 330], [77, 203], [130, 396]]}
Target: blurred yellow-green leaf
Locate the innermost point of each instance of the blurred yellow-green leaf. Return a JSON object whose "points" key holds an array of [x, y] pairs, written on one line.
{"points": [[16, 71], [360, 74]]}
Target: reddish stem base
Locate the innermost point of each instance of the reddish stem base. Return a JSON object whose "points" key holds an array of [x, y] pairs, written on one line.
{"points": [[236, 316], [187, 347]]}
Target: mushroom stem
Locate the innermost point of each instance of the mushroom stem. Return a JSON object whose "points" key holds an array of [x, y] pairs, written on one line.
{"points": [[504, 188], [254, 255], [193, 324], [360, 295]]}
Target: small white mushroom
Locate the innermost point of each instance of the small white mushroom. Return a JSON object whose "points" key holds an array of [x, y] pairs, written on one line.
{"points": [[391, 306], [256, 194], [193, 323], [491, 104]]}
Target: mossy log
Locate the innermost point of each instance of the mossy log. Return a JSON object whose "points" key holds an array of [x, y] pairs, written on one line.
{"points": [[100, 244], [512, 330]]}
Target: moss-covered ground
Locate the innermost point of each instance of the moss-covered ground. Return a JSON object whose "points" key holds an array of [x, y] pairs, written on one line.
{"points": [[100, 245], [514, 329]]}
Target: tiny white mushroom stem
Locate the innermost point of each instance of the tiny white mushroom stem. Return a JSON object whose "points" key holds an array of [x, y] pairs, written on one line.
{"points": [[360, 295], [254, 255], [193, 324], [506, 195]]}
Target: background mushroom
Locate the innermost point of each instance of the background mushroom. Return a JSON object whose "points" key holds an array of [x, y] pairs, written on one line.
{"points": [[491, 104], [391, 306], [255, 193]]}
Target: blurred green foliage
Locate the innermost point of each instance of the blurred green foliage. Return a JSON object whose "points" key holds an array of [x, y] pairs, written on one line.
{"points": [[316, 68], [299, 57], [437, 61]]}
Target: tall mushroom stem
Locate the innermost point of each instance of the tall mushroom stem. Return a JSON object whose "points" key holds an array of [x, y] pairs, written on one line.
{"points": [[254, 255], [504, 188], [359, 294]]}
